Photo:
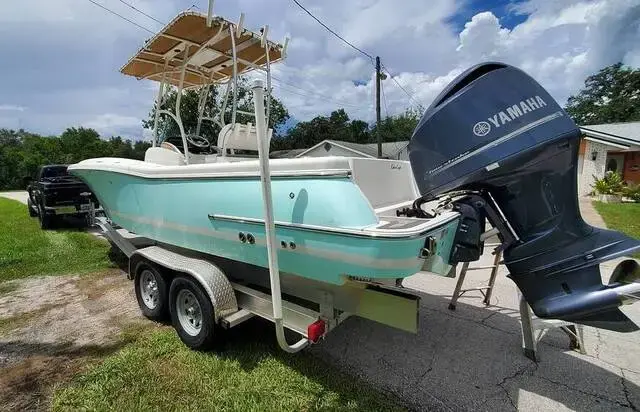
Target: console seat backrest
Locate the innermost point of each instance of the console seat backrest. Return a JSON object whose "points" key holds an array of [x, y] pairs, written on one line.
{"points": [[164, 155], [238, 136]]}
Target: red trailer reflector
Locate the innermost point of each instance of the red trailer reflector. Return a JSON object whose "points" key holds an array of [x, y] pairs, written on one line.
{"points": [[316, 330]]}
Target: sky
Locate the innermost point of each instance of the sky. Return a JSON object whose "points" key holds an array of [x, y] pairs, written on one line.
{"points": [[61, 59]]}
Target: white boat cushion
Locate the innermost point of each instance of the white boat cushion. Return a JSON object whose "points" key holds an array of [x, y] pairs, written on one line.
{"points": [[164, 156], [237, 136]]}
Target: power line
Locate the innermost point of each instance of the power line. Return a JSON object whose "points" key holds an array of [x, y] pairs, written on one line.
{"points": [[141, 12], [411, 97], [333, 32], [313, 93], [121, 16], [320, 97]]}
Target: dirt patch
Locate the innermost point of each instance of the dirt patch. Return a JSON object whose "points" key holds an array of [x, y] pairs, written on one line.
{"points": [[51, 327]]}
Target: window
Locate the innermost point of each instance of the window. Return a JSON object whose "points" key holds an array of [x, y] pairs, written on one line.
{"points": [[54, 171]]}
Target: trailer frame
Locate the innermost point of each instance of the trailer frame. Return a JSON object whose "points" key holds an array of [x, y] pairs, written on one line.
{"points": [[235, 303]]}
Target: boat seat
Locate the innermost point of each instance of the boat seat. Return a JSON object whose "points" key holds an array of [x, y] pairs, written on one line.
{"points": [[238, 136], [167, 154]]}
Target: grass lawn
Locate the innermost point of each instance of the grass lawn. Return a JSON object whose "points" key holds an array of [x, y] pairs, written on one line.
{"points": [[250, 373], [154, 370], [26, 250], [624, 217]]}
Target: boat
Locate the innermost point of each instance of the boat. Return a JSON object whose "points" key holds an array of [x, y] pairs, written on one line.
{"points": [[493, 148], [335, 217]]}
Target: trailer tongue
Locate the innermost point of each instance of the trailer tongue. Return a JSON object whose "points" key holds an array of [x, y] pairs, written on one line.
{"points": [[500, 140]]}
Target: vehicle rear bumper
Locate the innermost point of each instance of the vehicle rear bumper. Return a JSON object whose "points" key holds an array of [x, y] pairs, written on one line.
{"points": [[68, 210]]}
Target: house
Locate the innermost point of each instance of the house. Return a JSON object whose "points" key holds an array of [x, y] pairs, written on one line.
{"points": [[608, 147], [390, 150]]}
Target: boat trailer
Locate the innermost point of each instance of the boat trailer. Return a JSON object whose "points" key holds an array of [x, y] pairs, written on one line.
{"points": [[317, 310]]}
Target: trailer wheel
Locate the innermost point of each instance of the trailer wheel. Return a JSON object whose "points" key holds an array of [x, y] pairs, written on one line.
{"points": [[151, 292], [192, 313]]}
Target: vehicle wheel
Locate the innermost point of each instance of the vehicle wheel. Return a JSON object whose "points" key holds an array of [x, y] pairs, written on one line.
{"points": [[192, 314], [46, 221], [32, 212], [151, 292]]}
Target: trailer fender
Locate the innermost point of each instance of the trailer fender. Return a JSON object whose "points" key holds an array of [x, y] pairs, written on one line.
{"points": [[209, 276]]}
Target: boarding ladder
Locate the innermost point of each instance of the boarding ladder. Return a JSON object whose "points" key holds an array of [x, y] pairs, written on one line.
{"points": [[532, 328]]}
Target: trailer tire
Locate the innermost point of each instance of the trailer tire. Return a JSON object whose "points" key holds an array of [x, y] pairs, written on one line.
{"points": [[151, 292], [192, 313]]}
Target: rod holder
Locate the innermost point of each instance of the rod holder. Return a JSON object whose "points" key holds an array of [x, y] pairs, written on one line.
{"points": [[210, 12], [285, 46], [239, 27], [265, 33]]}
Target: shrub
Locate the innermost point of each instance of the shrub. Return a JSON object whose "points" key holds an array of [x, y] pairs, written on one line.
{"points": [[632, 191], [610, 184]]}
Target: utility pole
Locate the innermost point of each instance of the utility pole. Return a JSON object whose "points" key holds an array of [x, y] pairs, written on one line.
{"points": [[378, 75]]}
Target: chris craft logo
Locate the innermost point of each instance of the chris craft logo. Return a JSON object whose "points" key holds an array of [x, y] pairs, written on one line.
{"points": [[509, 114]]}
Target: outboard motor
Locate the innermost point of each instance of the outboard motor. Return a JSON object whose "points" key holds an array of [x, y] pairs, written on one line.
{"points": [[510, 153]]}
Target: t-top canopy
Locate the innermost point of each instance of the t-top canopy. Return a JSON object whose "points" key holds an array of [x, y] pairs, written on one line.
{"points": [[208, 50]]}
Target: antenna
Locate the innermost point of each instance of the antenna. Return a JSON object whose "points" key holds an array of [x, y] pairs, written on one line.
{"points": [[239, 28], [210, 12]]}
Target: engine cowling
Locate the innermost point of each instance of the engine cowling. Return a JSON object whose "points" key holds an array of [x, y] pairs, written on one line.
{"points": [[496, 133]]}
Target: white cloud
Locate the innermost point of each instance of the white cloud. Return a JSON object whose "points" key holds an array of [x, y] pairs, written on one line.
{"points": [[482, 37], [62, 61], [110, 124], [12, 108]]}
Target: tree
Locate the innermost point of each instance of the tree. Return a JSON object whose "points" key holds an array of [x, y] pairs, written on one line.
{"points": [[9, 158], [397, 128], [337, 126], [22, 153], [611, 95], [167, 127]]}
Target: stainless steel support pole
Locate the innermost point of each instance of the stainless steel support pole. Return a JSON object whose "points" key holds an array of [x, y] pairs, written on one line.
{"points": [[270, 228]]}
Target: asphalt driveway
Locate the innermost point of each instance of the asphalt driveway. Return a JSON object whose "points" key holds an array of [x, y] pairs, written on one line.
{"points": [[471, 358]]}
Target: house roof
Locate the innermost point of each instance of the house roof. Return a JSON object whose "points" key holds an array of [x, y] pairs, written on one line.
{"points": [[289, 153], [389, 149], [621, 135]]}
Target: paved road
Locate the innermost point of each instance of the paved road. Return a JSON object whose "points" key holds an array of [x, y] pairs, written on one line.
{"points": [[471, 359], [19, 195]]}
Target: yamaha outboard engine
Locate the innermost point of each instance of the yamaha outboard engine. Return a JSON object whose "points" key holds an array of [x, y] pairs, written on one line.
{"points": [[498, 141]]}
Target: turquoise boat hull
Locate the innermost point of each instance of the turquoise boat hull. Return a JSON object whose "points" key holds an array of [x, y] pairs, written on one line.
{"points": [[182, 212]]}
